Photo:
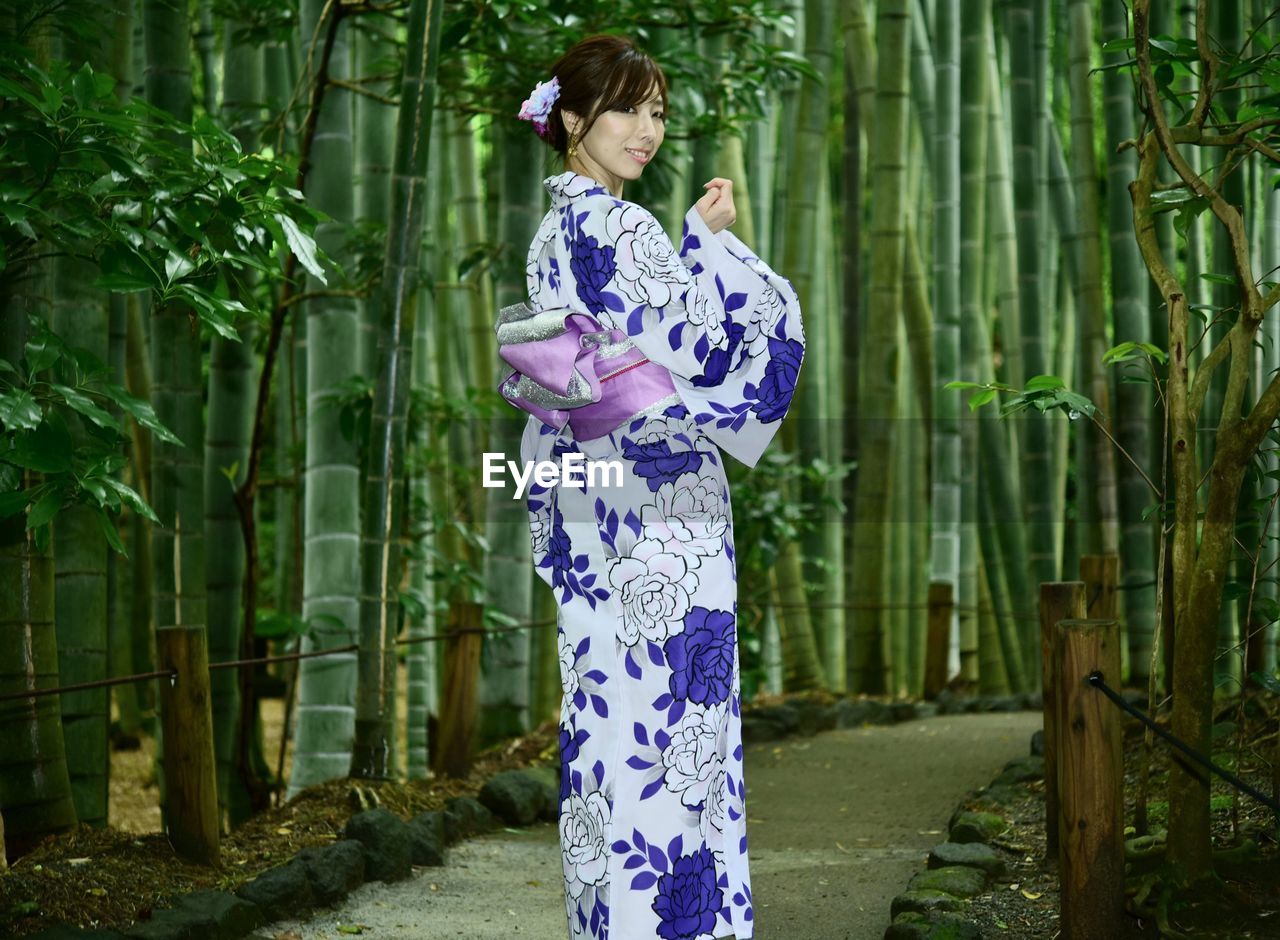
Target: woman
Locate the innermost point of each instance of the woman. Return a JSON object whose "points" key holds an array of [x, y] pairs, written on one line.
{"points": [[631, 352]]}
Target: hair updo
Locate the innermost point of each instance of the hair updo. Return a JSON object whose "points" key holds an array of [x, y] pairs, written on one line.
{"points": [[597, 74]]}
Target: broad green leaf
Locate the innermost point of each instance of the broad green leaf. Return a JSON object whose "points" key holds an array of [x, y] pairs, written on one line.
{"points": [[136, 502], [42, 351], [1039, 382], [981, 398], [142, 412], [83, 86], [273, 625], [122, 283], [177, 266], [18, 409], [45, 508], [85, 406], [1268, 682], [47, 449], [112, 533], [14, 502], [302, 245]]}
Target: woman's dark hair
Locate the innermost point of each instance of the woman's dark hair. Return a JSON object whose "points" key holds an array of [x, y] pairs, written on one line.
{"points": [[600, 73]]}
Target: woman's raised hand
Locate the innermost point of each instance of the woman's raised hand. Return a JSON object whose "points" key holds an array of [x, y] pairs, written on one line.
{"points": [[716, 205]]}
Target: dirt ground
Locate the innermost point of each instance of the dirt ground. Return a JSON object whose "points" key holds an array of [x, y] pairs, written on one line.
{"points": [[1244, 903]]}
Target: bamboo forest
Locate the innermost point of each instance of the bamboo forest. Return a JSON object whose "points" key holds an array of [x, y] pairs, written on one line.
{"points": [[290, 644]]}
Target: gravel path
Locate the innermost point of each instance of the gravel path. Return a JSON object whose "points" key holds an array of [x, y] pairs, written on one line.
{"points": [[837, 825]]}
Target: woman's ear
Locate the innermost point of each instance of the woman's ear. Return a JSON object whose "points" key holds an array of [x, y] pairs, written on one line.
{"points": [[571, 123]]}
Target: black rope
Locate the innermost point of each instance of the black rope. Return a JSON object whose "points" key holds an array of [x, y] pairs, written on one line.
{"points": [[1096, 680]]}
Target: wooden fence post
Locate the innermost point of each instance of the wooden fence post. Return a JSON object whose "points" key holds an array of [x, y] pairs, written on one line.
{"points": [[1090, 780], [4, 862], [458, 702], [190, 773], [937, 642], [1059, 600]]}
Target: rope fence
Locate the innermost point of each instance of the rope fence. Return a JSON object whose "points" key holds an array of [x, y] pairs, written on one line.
{"points": [[406, 641], [1096, 680]]}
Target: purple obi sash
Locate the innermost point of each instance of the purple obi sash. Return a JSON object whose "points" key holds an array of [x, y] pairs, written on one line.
{"points": [[571, 370]]}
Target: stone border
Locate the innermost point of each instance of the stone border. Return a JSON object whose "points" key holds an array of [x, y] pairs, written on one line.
{"points": [[934, 903], [376, 845]]}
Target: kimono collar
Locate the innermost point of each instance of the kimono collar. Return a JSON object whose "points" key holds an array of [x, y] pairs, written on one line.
{"points": [[568, 186]]}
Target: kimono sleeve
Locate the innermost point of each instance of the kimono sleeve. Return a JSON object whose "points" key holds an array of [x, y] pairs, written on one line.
{"points": [[725, 325]]}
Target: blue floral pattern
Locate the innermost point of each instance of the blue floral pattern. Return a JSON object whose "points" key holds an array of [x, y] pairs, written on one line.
{"points": [[652, 797]]}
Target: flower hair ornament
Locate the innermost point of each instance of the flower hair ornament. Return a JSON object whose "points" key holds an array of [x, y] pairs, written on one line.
{"points": [[538, 105]]}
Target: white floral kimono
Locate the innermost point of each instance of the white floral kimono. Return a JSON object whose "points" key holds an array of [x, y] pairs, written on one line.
{"points": [[652, 800]]}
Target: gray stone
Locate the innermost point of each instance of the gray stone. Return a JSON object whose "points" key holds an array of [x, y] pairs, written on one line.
{"points": [[202, 915], [426, 830], [936, 925], [958, 880], [549, 777], [283, 891], [972, 826], [388, 849], [813, 716], [926, 710], [464, 817], [974, 854], [1002, 703], [1020, 770], [759, 730], [902, 711], [1037, 743], [515, 797], [1033, 701], [924, 902], [334, 870], [854, 713], [770, 723], [998, 795]]}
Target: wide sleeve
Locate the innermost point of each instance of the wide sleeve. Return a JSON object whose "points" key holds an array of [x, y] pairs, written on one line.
{"points": [[725, 325]]}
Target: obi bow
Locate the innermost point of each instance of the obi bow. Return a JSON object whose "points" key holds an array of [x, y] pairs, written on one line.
{"points": [[561, 359]]}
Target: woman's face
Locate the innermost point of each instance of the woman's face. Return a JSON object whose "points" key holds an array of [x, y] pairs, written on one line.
{"points": [[621, 143]]}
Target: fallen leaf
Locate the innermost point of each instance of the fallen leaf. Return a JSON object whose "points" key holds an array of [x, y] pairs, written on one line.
{"points": [[1031, 895]]}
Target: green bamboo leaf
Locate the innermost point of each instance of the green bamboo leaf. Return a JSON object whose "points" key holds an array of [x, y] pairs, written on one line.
{"points": [[18, 409], [1270, 683], [302, 245], [1039, 382]]}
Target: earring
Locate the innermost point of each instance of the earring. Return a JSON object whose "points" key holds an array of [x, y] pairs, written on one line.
{"points": [[573, 150]]}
